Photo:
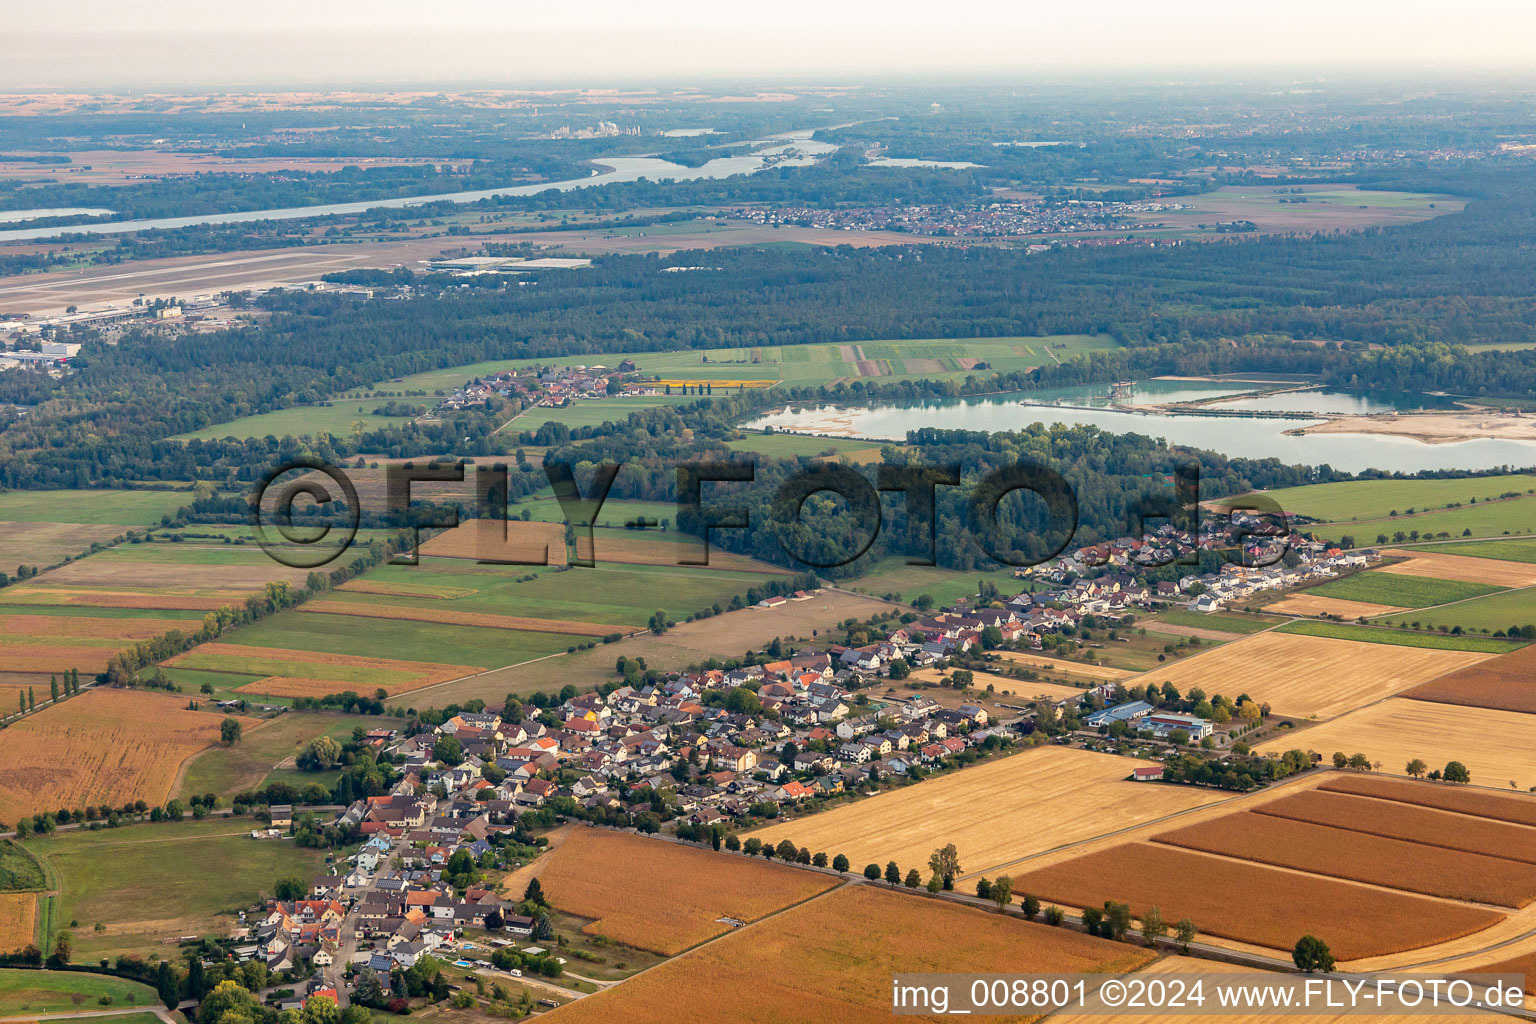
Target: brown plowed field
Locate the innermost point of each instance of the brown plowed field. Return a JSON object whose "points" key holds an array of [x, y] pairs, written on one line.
{"points": [[1476, 802], [1253, 903], [1495, 572], [1361, 857], [1402, 821], [1505, 683]]}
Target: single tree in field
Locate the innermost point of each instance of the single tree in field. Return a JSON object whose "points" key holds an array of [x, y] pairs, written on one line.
{"points": [[1359, 762], [535, 893], [1002, 892], [1031, 904], [1340, 759], [1153, 927], [1184, 934], [1455, 771], [892, 873], [1117, 919], [945, 862], [839, 863], [984, 887], [1311, 954], [1417, 768], [913, 879], [872, 872], [229, 731]]}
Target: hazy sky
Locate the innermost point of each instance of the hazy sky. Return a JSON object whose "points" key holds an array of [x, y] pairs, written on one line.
{"points": [[68, 43]]}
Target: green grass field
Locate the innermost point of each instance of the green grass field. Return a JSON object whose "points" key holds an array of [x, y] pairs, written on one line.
{"points": [[421, 641], [796, 364], [187, 554], [1485, 614], [1503, 550], [1226, 622], [615, 512], [255, 759], [591, 413], [1400, 638], [1483, 520], [1353, 500], [19, 872], [609, 592], [1400, 589], [123, 508], [945, 586], [786, 446], [25, 992], [339, 418], [146, 882]]}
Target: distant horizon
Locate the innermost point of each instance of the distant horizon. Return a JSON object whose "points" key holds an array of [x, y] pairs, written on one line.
{"points": [[77, 45]]}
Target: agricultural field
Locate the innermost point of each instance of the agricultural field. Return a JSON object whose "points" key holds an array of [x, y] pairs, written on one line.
{"points": [[1252, 903], [1310, 676], [915, 358], [104, 746], [1395, 820], [58, 992], [945, 586], [996, 814], [688, 643], [524, 547], [44, 544], [1478, 803], [1340, 503], [1504, 550], [368, 609], [266, 748], [18, 923], [339, 417], [593, 412], [1220, 622], [788, 446], [1498, 747], [1378, 634], [1055, 666], [1507, 683], [1395, 586], [1484, 520], [1016, 688], [1488, 572], [1509, 609], [1307, 602], [830, 961], [303, 673], [1393, 863], [622, 882], [39, 639], [97, 508], [144, 883]]}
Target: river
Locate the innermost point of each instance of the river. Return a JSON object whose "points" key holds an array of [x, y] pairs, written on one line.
{"points": [[1238, 434]]}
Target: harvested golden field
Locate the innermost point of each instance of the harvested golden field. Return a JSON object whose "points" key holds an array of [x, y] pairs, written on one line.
{"points": [[482, 539], [1402, 821], [830, 961], [1496, 746], [1479, 803], [104, 746], [995, 813], [366, 586], [1103, 673], [18, 920], [1493, 571], [294, 673], [1315, 604], [49, 596], [663, 896], [1019, 688], [1505, 683], [1361, 857], [1310, 676], [88, 628], [25, 657], [1253, 903], [454, 617]]}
